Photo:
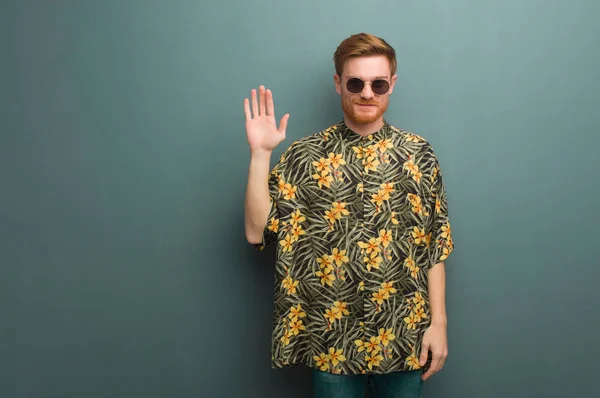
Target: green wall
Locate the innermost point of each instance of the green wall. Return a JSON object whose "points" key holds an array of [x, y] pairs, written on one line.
{"points": [[124, 270]]}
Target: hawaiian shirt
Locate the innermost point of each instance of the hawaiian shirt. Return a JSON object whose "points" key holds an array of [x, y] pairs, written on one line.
{"points": [[358, 222]]}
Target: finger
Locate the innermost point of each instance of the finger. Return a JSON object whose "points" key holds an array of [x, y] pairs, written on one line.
{"points": [[254, 104], [247, 109], [283, 123], [270, 104], [428, 374], [424, 352], [262, 100]]}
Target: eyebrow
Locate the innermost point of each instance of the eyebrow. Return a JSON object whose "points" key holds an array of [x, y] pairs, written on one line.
{"points": [[375, 78]]}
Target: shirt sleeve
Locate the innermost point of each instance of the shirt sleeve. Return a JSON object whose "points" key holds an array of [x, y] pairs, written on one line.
{"points": [[438, 223], [270, 232]]}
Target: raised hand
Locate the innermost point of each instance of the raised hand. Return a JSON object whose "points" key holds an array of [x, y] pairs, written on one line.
{"points": [[261, 126]]}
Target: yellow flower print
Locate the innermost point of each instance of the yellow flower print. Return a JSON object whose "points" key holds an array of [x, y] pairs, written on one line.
{"points": [[322, 164], [373, 345], [361, 286], [286, 243], [296, 232], [331, 216], [371, 164], [289, 284], [446, 230], [378, 198], [413, 362], [325, 261], [373, 261], [387, 188], [385, 336], [359, 151], [445, 253], [281, 186], [417, 176], [323, 179], [326, 276], [296, 326], [336, 356], [322, 361], [360, 186], [339, 256], [420, 314], [435, 173], [378, 297], [297, 312], [419, 235], [370, 152], [340, 208], [413, 137], [289, 192], [274, 224], [411, 166], [418, 299], [336, 160], [394, 220], [387, 287], [296, 217], [341, 306], [411, 321], [371, 246], [414, 271], [331, 314], [374, 360], [438, 206], [385, 237], [383, 145], [360, 344], [285, 339], [409, 262]]}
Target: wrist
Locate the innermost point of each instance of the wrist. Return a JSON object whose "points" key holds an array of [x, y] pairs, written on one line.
{"points": [[439, 320], [260, 154]]}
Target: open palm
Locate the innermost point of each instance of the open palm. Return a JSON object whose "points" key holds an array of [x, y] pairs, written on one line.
{"points": [[261, 126]]}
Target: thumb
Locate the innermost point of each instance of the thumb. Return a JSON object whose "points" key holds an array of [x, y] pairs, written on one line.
{"points": [[424, 352], [283, 123]]}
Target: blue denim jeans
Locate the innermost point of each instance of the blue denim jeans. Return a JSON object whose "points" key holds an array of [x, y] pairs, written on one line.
{"points": [[397, 385]]}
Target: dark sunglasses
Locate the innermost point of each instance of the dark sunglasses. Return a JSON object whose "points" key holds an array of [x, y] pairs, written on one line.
{"points": [[356, 85]]}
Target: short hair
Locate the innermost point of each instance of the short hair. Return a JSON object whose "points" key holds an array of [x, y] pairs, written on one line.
{"points": [[362, 45]]}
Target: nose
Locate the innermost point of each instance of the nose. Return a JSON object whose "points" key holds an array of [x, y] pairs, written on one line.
{"points": [[366, 92]]}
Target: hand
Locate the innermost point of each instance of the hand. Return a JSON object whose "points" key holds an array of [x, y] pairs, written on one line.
{"points": [[435, 340], [261, 127]]}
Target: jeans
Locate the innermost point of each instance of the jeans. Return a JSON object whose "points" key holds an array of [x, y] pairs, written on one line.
{"points": [[397, 385]]}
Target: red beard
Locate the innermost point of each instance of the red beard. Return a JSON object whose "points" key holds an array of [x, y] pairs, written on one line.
{"points": [[348, 106]]}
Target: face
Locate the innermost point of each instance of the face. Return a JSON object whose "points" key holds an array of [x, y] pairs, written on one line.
{"points": [[365, 107]]}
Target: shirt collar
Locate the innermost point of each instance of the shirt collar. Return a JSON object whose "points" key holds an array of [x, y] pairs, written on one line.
{"points": [[352, 136]]}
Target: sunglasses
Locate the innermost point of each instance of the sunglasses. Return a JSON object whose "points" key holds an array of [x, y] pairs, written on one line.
{"points": [[356, 85]]}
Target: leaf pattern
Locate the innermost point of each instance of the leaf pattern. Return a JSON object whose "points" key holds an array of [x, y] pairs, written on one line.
{"points": [[357, 221]]}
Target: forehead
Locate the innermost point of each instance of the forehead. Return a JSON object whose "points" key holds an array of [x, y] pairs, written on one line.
{"points": [[367, 67]]}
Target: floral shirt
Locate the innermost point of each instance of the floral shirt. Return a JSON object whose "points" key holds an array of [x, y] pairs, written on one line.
{"points": [[358, 222]]}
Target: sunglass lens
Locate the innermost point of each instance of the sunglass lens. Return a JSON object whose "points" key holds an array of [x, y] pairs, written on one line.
{"points": [[355, 85], [380, 86]]}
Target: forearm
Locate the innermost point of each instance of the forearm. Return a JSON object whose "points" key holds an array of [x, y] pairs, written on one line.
{"points": [[257, 202], [437, 293]]}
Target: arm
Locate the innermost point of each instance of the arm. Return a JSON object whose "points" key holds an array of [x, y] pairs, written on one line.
{"points": [[263, 136], [256, 205], [435, 338]]}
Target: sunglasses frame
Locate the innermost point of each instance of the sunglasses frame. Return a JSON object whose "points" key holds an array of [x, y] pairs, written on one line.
{"points": [[365, 83]]}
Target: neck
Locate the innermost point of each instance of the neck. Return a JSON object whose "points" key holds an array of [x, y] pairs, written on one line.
{"points": [[364, 129]]}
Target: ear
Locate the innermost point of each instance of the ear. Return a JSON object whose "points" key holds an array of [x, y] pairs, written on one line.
{"points": [[393, 83], [338, 83]]}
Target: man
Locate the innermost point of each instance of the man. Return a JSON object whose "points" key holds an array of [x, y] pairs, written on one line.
{"points": [[360, 217]]}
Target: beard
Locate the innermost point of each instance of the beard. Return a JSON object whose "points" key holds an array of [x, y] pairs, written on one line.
{"points": [[358, 117]]}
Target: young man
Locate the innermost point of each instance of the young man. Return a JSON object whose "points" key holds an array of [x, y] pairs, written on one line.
{"points": [[360, 217]]}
